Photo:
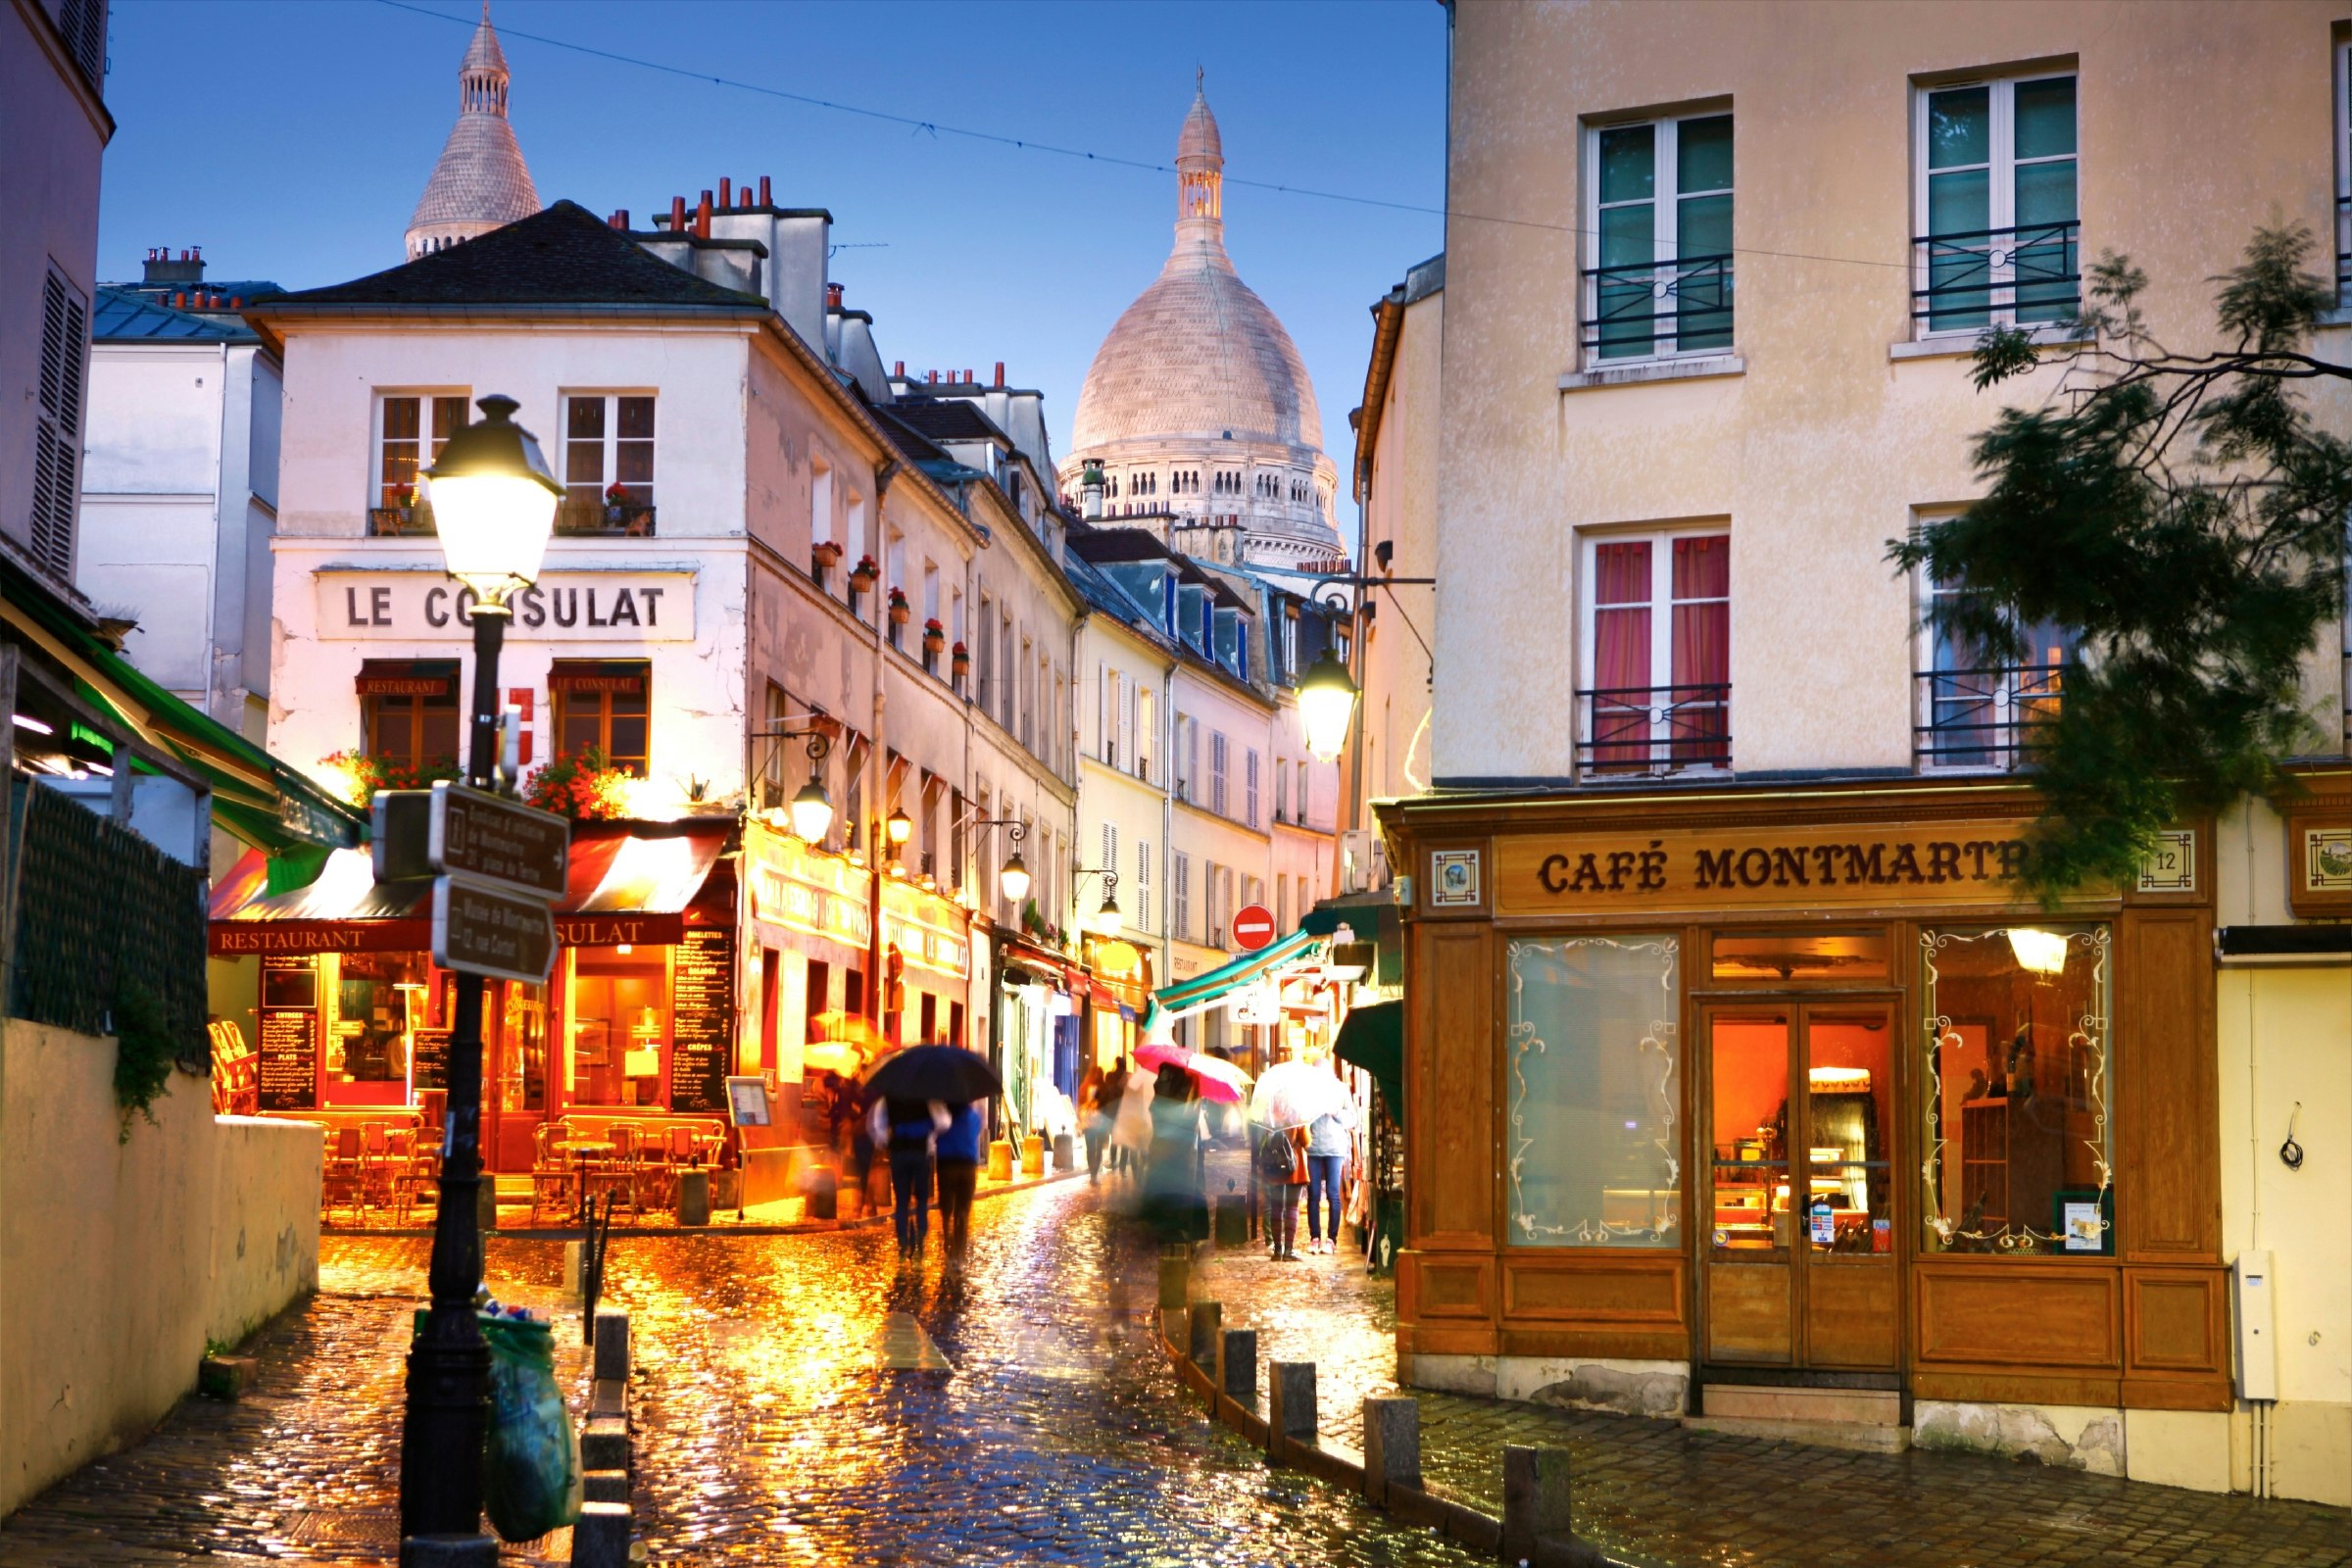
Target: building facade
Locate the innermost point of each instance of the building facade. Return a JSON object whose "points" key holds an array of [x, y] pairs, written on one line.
{"points": [[1743, 1085]]}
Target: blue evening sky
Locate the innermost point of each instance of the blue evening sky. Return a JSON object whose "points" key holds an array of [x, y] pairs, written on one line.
{"points": [[291, 138]]}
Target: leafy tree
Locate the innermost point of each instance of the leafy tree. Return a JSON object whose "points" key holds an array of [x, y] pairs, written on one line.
{"points": [[2183, 517]]}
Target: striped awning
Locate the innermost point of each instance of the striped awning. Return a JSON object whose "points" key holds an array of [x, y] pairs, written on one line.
{"points": [[1207, 990]]}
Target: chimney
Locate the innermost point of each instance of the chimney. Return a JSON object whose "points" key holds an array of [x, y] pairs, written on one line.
{"points": [[999, 381], [933, 376], [764, 201], [620, 219], [179, 301], [701, 218], [897, 372], [236, 301], [726, 193], [832, 296], [742, 195], [677, 214]]}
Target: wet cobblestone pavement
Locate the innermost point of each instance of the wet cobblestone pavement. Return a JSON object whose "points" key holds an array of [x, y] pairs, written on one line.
{"points": [[773, 1429]]}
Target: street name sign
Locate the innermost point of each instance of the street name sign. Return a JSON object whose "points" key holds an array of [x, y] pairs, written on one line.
{"points": [[1253, 927], [498, 841], [481, 928]]}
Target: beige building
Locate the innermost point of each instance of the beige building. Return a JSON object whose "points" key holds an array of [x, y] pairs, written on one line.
{"points": [[1709, 819]]}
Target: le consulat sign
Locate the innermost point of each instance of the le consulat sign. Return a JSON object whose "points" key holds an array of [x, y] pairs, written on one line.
{"points": [[1584, 873], [561, 606]]}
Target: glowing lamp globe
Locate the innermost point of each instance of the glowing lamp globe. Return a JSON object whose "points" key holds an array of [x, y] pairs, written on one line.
{"points": [[811, 813], [1326, 704], [1106, 920], [901, 826], [1013, 879], [494, 503]]}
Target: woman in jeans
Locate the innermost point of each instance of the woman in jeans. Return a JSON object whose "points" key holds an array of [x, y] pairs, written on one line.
{"points": [[909, 1128], [1281, 1165], [1327, 1151]]}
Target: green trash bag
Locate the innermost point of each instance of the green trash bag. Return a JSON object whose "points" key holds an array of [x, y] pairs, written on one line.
{"points": [[531, 1462]]}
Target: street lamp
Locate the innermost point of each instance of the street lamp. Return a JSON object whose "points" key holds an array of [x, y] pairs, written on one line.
{"points": [[900, 828], [1326, 702], [812, 812], [1106, 920], [1013, 879], [494, 502]]}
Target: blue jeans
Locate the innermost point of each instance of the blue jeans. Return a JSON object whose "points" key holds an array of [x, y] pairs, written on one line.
{"points": [[911, 1182], [1323, 1181]]}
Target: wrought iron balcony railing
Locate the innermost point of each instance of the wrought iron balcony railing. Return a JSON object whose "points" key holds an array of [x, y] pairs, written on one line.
{"points": [[414, 522], [1990, 717], [1653, 308], [594, 518], [1653, 730], [1997, 277]]}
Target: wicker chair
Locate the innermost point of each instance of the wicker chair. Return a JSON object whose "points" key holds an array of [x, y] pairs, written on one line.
{"points": [[551, 1173], [345, 1175]]}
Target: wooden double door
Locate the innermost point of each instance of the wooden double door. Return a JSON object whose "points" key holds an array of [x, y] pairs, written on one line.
{"points": [[1798, 1261]]}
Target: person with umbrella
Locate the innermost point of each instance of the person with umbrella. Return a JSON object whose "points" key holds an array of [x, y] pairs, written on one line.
{"points": [[1291, 1100], [1172, 1196], [911, 1091]]}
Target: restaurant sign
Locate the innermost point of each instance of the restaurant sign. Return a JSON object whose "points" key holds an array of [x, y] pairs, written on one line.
{"points": [[562, 607], [1594, 873]]}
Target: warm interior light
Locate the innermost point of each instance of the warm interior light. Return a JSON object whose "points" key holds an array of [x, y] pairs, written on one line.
{"points": [[494, 503], [901, 827], [1107, 920], [812, 812], [1013, 879], [2042, 952], [1326, 702]]}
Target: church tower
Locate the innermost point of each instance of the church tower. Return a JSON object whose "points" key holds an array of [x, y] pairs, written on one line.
{"points": [[481, 182]]}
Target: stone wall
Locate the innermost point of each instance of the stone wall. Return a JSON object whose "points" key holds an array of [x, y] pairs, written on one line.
{"points": [[119, 1256]]}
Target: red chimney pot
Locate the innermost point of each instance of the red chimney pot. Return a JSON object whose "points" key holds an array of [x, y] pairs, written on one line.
{"points": [[236, 301], [999, 381], [764, 201], [933, 375], [899, 370], [833, 296], [677, 214], [726, 193], [180, 300], [701, 218]]}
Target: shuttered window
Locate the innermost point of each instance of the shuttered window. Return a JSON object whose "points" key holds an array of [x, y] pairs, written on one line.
{"points": [[1180, 918], [57, 434], [1142, 886]]}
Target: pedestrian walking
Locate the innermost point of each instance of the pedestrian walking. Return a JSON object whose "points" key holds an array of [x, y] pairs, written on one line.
{"points": [[1131, 1126], [1173, 1200], [957, 1152], [1094, 1121], [907, 1129], [1281, 1165], [1328, 1144]]}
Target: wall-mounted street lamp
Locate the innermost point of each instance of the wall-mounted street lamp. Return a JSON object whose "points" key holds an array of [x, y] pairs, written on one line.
{"points": [[901, 828], [810, 810], [1012, 878], [494, 502], [1106, 920], [1325, 704]]}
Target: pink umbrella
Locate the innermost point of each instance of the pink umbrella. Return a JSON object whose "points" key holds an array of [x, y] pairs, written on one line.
{"points": [[1220, 1080]]}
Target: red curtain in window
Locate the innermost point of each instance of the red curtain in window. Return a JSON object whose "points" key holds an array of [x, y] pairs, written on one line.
{"points": [[1621, 583], [1702, 646]]}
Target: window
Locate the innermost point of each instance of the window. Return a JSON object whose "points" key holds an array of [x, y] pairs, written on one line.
{"points": [[1976, 713], [1146, 733], [1249, 785], [2344, 172], [409, 709], [1656, 606], [1110, 739], [2000, 240], [821, 504], [620, 1021], [1299, 814], [401, 444], [1212, 886], [605, 705], [1180, 917], [1595, 1060], [1142, 886], [57, 426], [988, 655], [1661, 221], [1011, 675], [1282, 906], [2017, 1092], [608, 446], [1216, 771], [1282, 789]]}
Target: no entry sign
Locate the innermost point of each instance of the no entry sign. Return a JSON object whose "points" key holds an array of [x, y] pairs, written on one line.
{"points": [[1253, 927]]}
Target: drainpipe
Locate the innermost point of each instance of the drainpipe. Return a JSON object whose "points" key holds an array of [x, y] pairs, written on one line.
{"points": [[878, 764], [1167, 823]]}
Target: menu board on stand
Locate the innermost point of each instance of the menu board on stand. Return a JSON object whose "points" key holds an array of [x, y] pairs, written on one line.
{"points": [[287, 1078], [702, 1031]]}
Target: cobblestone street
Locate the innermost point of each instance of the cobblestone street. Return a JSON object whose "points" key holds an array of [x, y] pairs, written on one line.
{"points": [[772, 1428]]}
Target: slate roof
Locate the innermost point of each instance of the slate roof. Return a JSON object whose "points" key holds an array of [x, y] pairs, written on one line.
{"points": [[565, 255], [125, 317], [948, 420]]}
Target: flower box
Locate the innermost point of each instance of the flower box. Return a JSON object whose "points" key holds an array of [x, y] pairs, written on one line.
{"points": [[825, 553], [901, 612]]}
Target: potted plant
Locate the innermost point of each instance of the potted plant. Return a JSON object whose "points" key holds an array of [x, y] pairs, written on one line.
{"points": [[825, 553], [935, 636], [403, 501], [959, 659], [584, 786], [901, 612], [862, 576], [616, 503]]}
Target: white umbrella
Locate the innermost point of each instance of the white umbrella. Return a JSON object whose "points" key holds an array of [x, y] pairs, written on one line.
{"points": [[1293, 1093]]}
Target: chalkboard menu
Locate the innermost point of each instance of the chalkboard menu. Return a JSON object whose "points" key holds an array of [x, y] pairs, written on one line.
{"points": [[289, 1036], [701, 1030], [428, 1064]]}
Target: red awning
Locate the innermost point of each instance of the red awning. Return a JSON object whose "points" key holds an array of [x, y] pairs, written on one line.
{"points": [[624, 887]]}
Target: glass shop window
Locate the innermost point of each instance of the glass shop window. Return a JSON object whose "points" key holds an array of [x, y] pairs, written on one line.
{"points": [[2017, 1091], [619, 1025], [1788, 955], [1595, 1054], [604, 706], [380, 1002], [521, 1057]]}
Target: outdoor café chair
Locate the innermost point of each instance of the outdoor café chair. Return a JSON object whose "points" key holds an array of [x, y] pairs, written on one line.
{"points": [[345, 1174], [551, 1171]]}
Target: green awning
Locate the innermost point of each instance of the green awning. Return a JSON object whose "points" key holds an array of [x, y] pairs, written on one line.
{"points": [[257, 798], [1374, 918], [1202, 990], [1372, 1038]]}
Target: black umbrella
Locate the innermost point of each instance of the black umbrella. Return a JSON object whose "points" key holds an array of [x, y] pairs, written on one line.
{"points": [[934, 1072]]}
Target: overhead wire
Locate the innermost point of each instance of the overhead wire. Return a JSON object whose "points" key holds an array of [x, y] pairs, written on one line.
{"points": [[942, 128]]}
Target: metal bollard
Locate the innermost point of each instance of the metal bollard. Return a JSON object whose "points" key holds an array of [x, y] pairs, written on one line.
{"points": [[601, 1537], [1391, 1444], [1535, 1499], [1208, 1320], [1241, 1364], [1290, 1407]]}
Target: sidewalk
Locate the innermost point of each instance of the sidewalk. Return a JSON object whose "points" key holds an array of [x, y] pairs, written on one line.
{"points": [[1655, 1491]]}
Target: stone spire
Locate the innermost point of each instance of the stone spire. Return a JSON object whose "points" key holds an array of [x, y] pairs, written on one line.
{"points": [[1200, 172], [481, 182]]}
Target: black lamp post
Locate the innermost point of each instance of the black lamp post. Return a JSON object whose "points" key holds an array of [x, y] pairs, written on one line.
{"points": [[493, 505]]}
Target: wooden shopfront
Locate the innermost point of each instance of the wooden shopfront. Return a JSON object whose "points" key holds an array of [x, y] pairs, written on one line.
{"points": [[1789, 1089]]}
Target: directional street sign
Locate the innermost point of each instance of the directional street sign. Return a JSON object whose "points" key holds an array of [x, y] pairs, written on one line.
{"points": [[498, 841], [482, 929]]}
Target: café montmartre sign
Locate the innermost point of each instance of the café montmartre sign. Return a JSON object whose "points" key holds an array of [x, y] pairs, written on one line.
{"points": [[562, 607], [1956, 862]]}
